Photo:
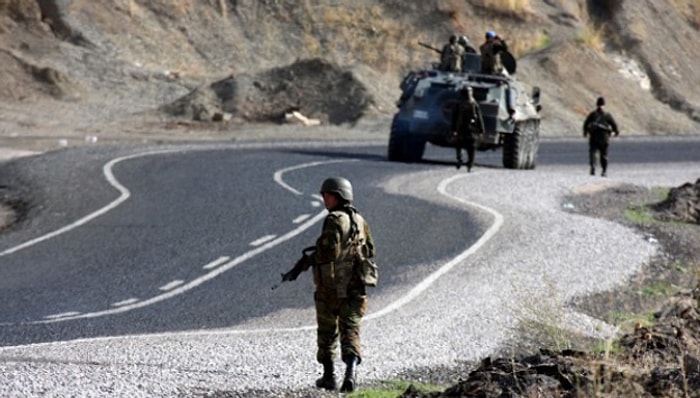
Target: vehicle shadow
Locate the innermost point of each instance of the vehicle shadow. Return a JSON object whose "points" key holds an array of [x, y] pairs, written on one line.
{"points": [[340, 153], [344, 154]]}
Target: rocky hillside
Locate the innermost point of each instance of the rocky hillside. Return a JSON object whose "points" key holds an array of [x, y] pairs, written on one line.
{"points": [[93, 65]]}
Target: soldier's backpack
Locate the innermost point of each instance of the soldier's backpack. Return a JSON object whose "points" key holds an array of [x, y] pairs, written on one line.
{"points": [[366, 268]]}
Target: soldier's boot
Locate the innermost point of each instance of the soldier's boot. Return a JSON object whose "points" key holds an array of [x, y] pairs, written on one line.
{"points": [[349, 380], [327, 381], [592, 170], [603, 173]]}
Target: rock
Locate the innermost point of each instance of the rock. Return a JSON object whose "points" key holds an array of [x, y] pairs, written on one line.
{"points": [[298, 118], [682, 204]]}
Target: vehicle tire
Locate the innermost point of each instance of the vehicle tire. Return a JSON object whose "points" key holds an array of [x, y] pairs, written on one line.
{"points": [[402, 147], [513, 151], [395, 147], [520, 147], [533, 133]]}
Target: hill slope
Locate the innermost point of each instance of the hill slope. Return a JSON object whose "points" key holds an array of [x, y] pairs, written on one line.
{"points": [[91, 66]]}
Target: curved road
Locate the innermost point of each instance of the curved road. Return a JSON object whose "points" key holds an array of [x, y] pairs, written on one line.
{"points": [[193, 238]]}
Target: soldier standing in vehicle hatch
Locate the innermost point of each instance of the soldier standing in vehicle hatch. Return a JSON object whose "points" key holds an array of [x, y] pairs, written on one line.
{"points": [[340, 296], [597, 127], [467, 126], [490, 53], [451, 56]]}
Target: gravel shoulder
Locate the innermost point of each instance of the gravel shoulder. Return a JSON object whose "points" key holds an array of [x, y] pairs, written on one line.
{"points": [[467, 312]]}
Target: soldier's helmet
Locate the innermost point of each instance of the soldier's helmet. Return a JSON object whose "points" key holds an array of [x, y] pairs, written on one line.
{"points": [[463, 40], [453, 39], [490, 34], [600, 101], [338, 185]]}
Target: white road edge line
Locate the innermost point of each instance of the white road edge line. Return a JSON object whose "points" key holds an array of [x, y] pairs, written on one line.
{"points": [[411, 295], [278, 174], [124, 194], [196, 282], [430, 279]]}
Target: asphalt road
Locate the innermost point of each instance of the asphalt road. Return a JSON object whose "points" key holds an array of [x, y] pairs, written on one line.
{"points": [[131, 242]]}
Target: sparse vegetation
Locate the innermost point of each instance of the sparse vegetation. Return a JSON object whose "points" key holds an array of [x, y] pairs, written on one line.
{"points": [[659, 290], [640, 214], [628, 320], [592, 36], [392, 389], [690, 9], [541, 323], [508, 7]]}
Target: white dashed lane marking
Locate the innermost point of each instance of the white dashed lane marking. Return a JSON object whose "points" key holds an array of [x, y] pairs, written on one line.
{"points": [[301, 218], [217, 262], [62, 315], [177, 287], [125, 302], [171, 285], [262, 240]]}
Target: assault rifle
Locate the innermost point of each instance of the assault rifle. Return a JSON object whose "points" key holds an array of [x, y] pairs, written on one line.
{"points": [[300, 266]]}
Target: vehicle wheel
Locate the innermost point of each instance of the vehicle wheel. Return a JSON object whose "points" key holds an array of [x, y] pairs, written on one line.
{"points": [[395, 150], [402, 148], [533, 134], [520, 147], [513, 151]]}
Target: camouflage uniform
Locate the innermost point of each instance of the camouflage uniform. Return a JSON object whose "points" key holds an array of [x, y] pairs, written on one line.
{"points": [[490, 59], [597, 127], [340, 296], [338, 269], [467, 126], [451, 56]]}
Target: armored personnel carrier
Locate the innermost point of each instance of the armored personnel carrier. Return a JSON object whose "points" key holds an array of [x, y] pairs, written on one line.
{"points": [[511, 115]]}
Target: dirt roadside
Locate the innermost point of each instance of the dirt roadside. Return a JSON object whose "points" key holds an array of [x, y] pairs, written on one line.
{"points": [[658, 311]]}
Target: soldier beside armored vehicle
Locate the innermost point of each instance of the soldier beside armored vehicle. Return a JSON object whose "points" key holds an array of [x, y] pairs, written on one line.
{"points": [[510, 114]]}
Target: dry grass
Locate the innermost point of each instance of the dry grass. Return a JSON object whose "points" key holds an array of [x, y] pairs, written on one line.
{"points": [[508, 6], [593, 36], [541, 322], [690, 9], [365, 35], [223, 8]]}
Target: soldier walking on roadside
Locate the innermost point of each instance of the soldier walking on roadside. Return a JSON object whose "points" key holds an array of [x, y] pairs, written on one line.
{"points": [[597, 127], [467, 126], [340, 296]]}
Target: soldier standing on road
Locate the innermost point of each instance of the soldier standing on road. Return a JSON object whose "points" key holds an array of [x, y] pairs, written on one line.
{"points": [[467, 126], [597, 127], [340, 296], [451, 56]]}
